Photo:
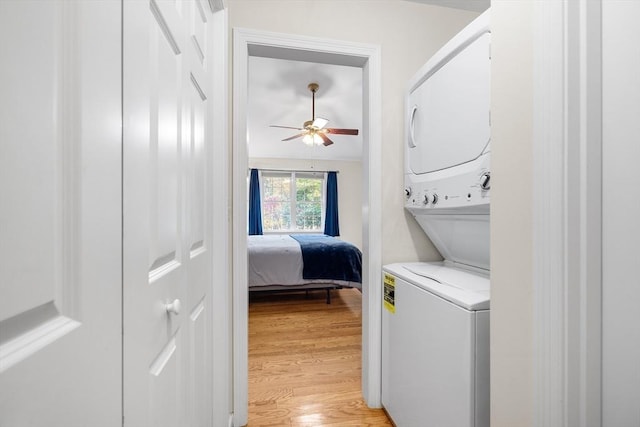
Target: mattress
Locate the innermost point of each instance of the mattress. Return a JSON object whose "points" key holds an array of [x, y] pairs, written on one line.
{"points": [[276, 260]]}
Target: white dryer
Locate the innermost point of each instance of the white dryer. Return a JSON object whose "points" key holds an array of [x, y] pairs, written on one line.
{"points": [[435, 332]]}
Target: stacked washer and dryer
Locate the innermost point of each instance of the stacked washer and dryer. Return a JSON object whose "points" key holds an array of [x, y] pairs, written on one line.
{"points": [[435, 331]]}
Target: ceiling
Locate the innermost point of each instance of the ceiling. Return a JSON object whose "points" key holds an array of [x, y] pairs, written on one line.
{"points": [[278, 95], [473, 5]]}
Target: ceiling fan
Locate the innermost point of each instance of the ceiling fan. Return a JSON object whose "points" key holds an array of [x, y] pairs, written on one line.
{"points": [[314, 131]]}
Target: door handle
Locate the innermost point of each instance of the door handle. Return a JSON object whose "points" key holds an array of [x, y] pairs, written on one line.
{"points": [[412, 124], [173, 307]]}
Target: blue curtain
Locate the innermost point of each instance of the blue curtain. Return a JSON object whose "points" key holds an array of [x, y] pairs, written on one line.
{"points": [[331, 226], [255, 213]]}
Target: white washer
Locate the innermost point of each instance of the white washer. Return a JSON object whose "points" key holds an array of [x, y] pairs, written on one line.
{"points": [[435, 346], [435, 331]]}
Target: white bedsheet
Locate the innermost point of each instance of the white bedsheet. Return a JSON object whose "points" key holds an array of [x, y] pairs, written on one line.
{"points": [[274, 260], [277, 260]]}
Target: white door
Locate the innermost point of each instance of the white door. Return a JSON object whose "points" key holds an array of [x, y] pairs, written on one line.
{"points": [[620, 214], [60, 213], [167, 220]]}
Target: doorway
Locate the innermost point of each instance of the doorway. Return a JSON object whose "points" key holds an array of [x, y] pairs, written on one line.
{"points": [[282, 46]]}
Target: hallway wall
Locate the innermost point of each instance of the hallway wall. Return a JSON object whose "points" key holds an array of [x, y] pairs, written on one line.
{"points": [[511, 214]]}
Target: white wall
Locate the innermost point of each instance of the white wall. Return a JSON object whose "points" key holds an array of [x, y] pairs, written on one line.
{"points": [[349, 189], [408, 34], [511, 214]]}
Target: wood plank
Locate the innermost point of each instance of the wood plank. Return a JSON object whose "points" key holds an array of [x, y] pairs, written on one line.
{"points": [[305, 361]]}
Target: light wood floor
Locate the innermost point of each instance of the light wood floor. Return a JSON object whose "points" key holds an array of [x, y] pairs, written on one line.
{"points": [[304, 361]]}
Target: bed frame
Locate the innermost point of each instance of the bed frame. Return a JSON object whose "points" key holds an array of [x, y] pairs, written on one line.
{"points": [[286, 288]]}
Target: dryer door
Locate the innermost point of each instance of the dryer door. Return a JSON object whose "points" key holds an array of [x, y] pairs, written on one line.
{"points": [[449, 112]]}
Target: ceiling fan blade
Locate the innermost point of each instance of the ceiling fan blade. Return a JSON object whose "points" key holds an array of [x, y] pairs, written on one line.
{"points": [[342, 131], [295, 136], [319, 123], [285, 127], [326, 140]]}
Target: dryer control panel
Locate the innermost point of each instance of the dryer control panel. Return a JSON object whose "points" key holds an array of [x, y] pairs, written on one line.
{"points": [[470, 186]]}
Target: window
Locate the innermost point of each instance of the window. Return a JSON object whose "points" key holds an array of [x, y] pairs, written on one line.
{"points": [[292, 201]]}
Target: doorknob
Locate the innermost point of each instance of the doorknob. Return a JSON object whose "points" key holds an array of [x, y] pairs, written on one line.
{"points": [[173, 307]]}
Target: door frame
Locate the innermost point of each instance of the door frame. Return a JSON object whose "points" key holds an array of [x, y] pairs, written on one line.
{"points": [[368, 57], [567, 222]]}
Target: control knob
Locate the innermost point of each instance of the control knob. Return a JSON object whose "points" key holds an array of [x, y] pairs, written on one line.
{"points": [[485, 181], [407, 192], [434, 199], [426, 200]]}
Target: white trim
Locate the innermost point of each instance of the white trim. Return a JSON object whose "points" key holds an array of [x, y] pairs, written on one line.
{"points": [[372, 233], [239, 246], [585, 180], [567, 218], [368, 57], [548, 215]]}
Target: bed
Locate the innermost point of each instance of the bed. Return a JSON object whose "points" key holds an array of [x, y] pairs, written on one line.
{"points": [[302, 262]]}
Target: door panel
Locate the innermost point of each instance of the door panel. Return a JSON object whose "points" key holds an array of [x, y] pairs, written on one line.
{"points": [[164, 74], [165, 374], [36, 258], [167, 235], [197, 100], [60, 246], [199, 30]]}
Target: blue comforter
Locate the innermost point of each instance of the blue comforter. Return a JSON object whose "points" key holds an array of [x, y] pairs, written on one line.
{"points": [[326, 257]]}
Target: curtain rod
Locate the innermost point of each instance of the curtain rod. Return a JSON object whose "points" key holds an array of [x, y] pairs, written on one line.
{"points": [[292, 170]]}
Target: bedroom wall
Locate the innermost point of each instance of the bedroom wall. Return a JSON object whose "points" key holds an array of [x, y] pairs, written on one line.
{"points": [[349, 189], [408, 33]]}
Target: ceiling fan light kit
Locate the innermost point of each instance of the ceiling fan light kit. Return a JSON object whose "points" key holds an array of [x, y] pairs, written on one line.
{"points": [[312, 139], [314, 131]]}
